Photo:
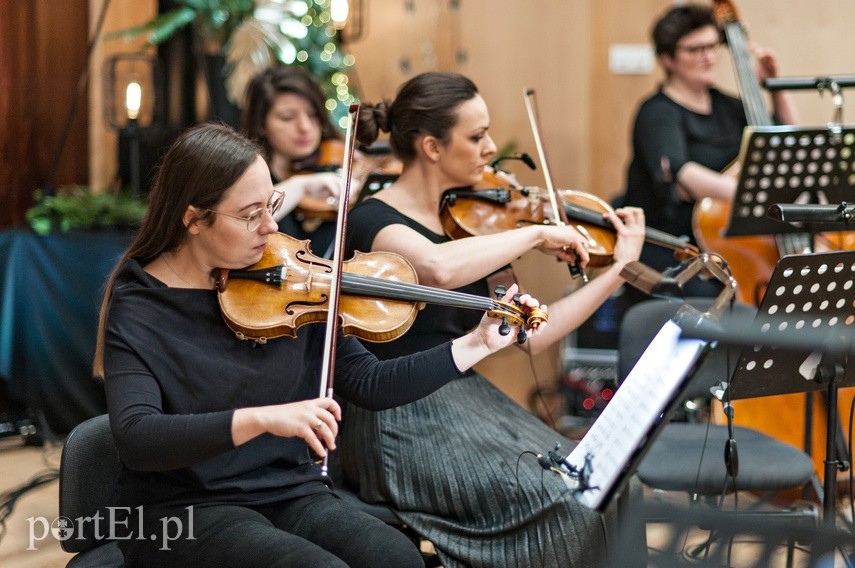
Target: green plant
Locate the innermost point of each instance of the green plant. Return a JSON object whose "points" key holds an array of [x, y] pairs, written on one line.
{"points": [[76, 207], [255, 34], [214, 20]]}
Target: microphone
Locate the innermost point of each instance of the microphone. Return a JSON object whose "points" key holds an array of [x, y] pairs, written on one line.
{"points": [[523, 157], [650, 281], [794, 213]]}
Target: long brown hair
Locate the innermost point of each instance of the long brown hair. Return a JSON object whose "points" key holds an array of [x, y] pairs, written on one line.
{"points": [[198, 168], [279, 80]]}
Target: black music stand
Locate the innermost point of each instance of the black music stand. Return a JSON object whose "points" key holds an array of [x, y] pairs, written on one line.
{"points": [[786, 164], [812, 293], [600, 466]]}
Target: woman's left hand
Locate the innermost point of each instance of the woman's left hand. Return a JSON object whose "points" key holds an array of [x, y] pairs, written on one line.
{"points": [[488, 329]]}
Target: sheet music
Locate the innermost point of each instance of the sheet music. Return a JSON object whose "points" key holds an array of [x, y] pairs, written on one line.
{"points": [[637, 405]]}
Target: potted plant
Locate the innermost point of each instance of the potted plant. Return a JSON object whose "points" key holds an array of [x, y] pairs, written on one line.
{"points": [[76, 207]]}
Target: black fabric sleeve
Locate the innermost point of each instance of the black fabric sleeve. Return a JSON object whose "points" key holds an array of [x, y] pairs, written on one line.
{"points": [[377, 385], [148, 439], [660, 137]]}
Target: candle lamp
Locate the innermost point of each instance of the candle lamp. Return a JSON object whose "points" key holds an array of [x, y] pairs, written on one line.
{"points": [[131, 106]]}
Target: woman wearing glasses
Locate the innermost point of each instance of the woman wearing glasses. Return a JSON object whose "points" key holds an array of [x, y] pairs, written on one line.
{"points": [[285, 114], [688, 131], [217, 435]]}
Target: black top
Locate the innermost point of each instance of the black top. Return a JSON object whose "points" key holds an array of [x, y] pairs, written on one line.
{"points": [[175, 373], [667, 132], [434, 324], [666, 135]]}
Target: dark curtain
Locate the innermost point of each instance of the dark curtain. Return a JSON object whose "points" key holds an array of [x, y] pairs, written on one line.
{"points": [[50, 294]]}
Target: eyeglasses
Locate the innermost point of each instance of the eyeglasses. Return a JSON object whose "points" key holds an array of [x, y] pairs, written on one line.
{"points": [[253, 220], [697, 50]]}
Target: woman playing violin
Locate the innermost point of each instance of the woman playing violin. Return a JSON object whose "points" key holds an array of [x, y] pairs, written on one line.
{"points": [[285, 114], [217, 435], [689, 131], [448, 461]]}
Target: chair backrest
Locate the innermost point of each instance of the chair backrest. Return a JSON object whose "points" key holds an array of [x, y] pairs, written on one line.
{"points": [[88, 479], [644, 320]]}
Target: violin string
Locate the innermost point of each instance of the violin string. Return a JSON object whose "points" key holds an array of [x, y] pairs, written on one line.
{"points": [[393, 289]]}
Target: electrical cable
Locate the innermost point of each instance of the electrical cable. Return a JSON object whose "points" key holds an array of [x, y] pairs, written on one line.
{"points": [[519, 500], [538, 391], [10, 498]]}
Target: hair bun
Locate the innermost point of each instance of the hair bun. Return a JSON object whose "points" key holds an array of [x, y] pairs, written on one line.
{"points": [[381, 114], [373, 119]]}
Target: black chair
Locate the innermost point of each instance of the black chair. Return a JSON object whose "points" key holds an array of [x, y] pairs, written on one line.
{"points": [[690, 456], [88, 478]]}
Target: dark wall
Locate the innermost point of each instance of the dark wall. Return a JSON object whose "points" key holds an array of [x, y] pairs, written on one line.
{"points": [[43, 47]]}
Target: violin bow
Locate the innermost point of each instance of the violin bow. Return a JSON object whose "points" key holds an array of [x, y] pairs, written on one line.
{"points": [[330, 336], [558, 213]]}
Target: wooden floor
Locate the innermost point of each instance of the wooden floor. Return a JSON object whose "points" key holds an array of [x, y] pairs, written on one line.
{"points": [[19, 464]]}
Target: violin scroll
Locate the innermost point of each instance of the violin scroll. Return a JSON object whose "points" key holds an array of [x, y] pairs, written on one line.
{"points": [[523, 317]]}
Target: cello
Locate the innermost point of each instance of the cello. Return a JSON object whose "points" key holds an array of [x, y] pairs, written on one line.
{"points": [[752, 260]]}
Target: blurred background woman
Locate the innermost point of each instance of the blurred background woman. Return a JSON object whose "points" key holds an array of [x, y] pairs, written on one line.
{"points": [[285, 114]]}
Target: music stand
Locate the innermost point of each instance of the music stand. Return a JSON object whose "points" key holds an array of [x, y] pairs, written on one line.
{"points": [[786, 164], [601, 464], [810, 293]]}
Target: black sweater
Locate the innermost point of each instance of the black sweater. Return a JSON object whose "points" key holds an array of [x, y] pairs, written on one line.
{"points": [[174, 373]]}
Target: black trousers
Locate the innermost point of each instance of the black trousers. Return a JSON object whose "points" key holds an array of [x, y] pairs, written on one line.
{"points": [[314, 531]]}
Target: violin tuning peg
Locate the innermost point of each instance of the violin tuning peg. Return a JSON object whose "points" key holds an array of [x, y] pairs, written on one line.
{"points": [[504, 328], [521, 336], [517, 298], [500, 291]]}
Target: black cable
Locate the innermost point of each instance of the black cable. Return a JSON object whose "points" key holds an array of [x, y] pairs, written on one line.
{"points": [[519, 500], [81, 85], [8, 499], [538, 391]]}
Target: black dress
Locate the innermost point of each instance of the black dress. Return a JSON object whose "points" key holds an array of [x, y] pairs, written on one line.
{"points": [[453, 464]]}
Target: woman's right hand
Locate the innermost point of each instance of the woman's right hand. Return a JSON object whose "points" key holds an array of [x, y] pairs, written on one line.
{"points": [[314, 420], [565, 243]]}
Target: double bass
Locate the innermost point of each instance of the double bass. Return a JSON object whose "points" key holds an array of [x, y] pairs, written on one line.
{"points": [[752, 260]]}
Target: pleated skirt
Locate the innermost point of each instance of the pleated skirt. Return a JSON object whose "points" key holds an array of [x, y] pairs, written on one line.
{"points": [[458, 467]]}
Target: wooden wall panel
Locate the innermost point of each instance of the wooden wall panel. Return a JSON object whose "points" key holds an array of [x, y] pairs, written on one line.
{"points": [[17, 107], [42, 52]]}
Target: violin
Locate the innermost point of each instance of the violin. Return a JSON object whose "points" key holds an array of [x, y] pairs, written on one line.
{"points": [[499, 203], [380, 297], [330, 157]]}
